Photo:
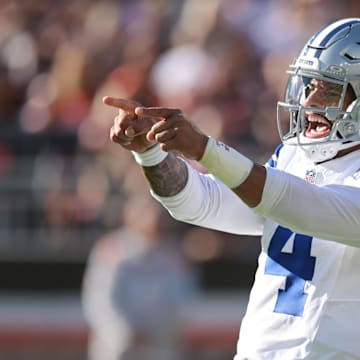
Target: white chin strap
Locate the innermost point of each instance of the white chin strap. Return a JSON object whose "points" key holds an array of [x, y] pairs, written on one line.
{"points": [[325, 151]]}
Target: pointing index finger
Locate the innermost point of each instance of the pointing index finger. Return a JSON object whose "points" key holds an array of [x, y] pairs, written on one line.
{"points": [[123, 104], [156, 112]]}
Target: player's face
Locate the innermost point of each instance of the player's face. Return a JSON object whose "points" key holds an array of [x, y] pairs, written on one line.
{"points": [[322, 94]]}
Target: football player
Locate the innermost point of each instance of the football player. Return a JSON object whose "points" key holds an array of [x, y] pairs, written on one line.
{"points": [[305, 202]]}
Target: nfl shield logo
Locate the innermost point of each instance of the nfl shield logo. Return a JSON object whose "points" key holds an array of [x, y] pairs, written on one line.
{"points": [[310, 176]]}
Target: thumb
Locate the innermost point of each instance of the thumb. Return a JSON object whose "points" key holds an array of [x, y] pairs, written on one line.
{"points": [[143, 125]]}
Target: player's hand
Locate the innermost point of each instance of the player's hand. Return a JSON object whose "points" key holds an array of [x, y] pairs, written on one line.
{"points": [[129, 130], [174, 131]]}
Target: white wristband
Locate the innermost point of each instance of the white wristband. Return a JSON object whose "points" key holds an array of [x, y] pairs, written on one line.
{"points": [[225, 163], [151, 157]]}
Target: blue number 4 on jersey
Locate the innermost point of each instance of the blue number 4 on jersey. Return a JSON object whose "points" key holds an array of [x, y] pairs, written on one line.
{"points": [[298, 267]]}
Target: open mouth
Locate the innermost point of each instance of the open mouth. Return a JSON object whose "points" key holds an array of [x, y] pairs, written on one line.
{"points": [[317, 126]]}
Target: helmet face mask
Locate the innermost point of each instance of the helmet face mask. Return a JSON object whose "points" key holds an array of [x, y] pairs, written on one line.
{"points": [[331, 109], [320, 110]]}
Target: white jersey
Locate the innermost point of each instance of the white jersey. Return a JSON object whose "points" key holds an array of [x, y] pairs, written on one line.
{"points": [[305, 301]]}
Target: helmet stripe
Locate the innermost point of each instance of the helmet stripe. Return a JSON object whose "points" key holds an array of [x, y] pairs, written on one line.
{"points": [[326, 34]]}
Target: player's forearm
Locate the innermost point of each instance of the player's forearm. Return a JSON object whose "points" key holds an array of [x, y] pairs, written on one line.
{"points": [[209, 203], [243, 176], [168, 177], [250, 191]]}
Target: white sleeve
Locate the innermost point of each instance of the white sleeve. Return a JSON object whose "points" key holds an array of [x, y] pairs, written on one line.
{"points": [[207, 202], [330, 212]]}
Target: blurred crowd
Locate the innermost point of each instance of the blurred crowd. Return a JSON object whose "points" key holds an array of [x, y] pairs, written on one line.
{"points": [[62, 181]]}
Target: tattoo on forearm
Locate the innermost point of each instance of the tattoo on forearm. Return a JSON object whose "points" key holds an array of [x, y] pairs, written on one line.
{"points": [[167, 178]]}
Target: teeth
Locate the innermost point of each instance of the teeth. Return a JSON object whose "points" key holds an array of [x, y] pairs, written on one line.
{"points": [[318, 119]]}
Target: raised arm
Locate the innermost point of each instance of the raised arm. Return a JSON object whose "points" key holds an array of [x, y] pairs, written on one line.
{"points": [[156, 134], [166, 178]]}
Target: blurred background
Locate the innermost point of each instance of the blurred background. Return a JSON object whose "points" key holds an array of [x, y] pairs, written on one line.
{"points": [[90, 267]]}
